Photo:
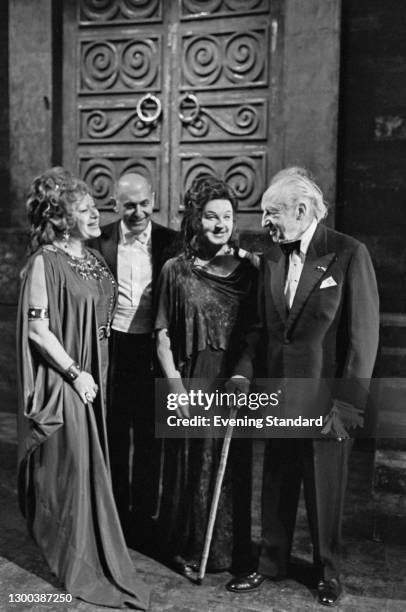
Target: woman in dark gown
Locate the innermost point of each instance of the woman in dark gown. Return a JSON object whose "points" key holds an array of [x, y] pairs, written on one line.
{"points": [[206, 297], [65, 309]]}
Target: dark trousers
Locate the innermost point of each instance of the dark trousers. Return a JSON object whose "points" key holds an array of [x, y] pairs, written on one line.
{"points": [[134, 452], [323, 466]]}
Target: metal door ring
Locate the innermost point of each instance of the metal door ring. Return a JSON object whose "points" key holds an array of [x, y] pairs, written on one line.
{"points": [[147, 119], [195, 111]]}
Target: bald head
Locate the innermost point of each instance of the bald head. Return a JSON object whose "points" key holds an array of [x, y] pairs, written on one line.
{"points": [[135, 201], [132, 182]]}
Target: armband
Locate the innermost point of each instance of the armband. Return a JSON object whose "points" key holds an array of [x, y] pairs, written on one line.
{"points": [[37, 313]]}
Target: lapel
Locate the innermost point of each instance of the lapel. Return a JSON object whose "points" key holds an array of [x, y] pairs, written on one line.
{"points": [[277, 276], [155, 249], [318, 260], [110, 238], [154, 239]]}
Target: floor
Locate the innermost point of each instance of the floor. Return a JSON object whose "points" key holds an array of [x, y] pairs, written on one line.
{"points": [[374, 570]]}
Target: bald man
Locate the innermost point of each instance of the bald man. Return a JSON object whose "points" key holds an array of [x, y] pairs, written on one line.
{"points": [[135, 249]]}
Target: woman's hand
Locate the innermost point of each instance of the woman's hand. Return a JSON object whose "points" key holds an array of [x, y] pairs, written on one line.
{"points": [[176, 387], [85, 387]]}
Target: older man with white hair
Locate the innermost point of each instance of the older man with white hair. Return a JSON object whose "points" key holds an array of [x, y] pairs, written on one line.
{"points": [[320, 316]]}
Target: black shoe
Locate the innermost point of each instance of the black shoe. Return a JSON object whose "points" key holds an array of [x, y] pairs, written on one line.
{"points": [[245, 583], [329, 591], [184, 568]]}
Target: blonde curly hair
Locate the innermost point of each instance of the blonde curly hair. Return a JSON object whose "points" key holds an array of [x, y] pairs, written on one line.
{"points": [[50, 204]]}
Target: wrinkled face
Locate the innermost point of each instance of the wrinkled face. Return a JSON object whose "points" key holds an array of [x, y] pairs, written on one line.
{"points": [[281, 218], [86, 219], [135, 204], [217, 223]]}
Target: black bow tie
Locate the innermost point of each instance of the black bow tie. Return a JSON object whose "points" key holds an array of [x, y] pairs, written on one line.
{"points": [[288, 247]]}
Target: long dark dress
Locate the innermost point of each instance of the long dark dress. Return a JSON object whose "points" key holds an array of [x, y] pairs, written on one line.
{"points": [[206, 316], [64, 478]]}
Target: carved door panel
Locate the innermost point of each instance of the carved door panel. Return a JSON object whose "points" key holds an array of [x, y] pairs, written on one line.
{"points": [[171, 89], [115, 72], [223, 88]]}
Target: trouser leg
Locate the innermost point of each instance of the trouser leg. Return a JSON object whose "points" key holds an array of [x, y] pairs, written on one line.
{"points": [[130, 427], [280, 495], [325, 465]]}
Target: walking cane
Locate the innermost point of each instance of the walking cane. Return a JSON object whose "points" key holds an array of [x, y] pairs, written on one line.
{"points": [[216, 496]]}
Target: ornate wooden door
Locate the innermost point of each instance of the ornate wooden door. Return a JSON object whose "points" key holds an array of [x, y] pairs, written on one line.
{"points": [[171, 89]]}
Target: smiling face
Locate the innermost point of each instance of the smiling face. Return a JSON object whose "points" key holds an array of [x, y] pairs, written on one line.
{"points": [[86, 219], [135, 202], [216, 223], [281, 219], [286, 213]]}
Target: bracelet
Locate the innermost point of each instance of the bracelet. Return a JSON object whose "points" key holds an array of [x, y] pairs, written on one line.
{"points": [[73, 371]]}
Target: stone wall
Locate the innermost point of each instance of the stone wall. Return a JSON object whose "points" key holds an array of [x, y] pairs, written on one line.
{"points": [[4, 118], [371, 203]]}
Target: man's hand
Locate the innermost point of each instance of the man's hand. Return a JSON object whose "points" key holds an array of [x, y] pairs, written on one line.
{"points": [[237, 385], [341, 419]]}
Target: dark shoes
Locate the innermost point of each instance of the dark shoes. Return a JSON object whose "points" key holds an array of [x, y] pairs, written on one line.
{"points": [[329, 591], [249, 582]]}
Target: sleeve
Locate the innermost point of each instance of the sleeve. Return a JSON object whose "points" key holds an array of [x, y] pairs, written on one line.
{"points": [[362, 329], [251, 359], [164, 297], [40, 387]]}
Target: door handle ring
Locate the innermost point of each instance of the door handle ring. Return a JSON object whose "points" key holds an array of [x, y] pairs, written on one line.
{"points": [[195, 110], [153, 118]]}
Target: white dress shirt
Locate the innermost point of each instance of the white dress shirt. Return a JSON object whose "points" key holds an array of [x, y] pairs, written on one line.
{"points": [[134, 280], [296, 262]]}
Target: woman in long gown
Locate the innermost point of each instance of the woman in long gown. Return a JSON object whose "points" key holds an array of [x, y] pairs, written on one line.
{"points": [[205, 304], [65, 309]]}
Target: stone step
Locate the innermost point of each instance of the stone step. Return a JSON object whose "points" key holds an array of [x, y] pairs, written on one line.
{"points": [[390, 471]]}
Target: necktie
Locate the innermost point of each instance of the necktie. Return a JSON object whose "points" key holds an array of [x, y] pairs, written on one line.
{"points": [[288, 247]]}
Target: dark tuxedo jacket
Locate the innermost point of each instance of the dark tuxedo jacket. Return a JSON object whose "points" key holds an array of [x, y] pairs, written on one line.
{"points": [[332, 329], [164, 244]]}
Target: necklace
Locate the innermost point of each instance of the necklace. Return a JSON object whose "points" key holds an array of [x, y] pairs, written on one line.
{"points": [[90, 267]]}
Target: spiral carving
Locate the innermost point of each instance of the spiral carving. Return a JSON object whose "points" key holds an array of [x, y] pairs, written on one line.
{"points": [[244, 5], [139, 9], [100, 173], [224, 60], [124, 65], [221, 122], [202, 60], [203, 8], [98, 10], [99, 65], [242, 175], [97, 125], [139, 63], [99, 176], [246, 119], [200, 126], [101, 124], [244, 58], [103, 11]]}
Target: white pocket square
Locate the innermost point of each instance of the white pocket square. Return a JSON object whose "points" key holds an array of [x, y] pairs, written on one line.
{"points": [[328, 282]]}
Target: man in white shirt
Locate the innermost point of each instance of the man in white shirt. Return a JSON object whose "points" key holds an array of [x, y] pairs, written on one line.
{"points": [[135, 249]]}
